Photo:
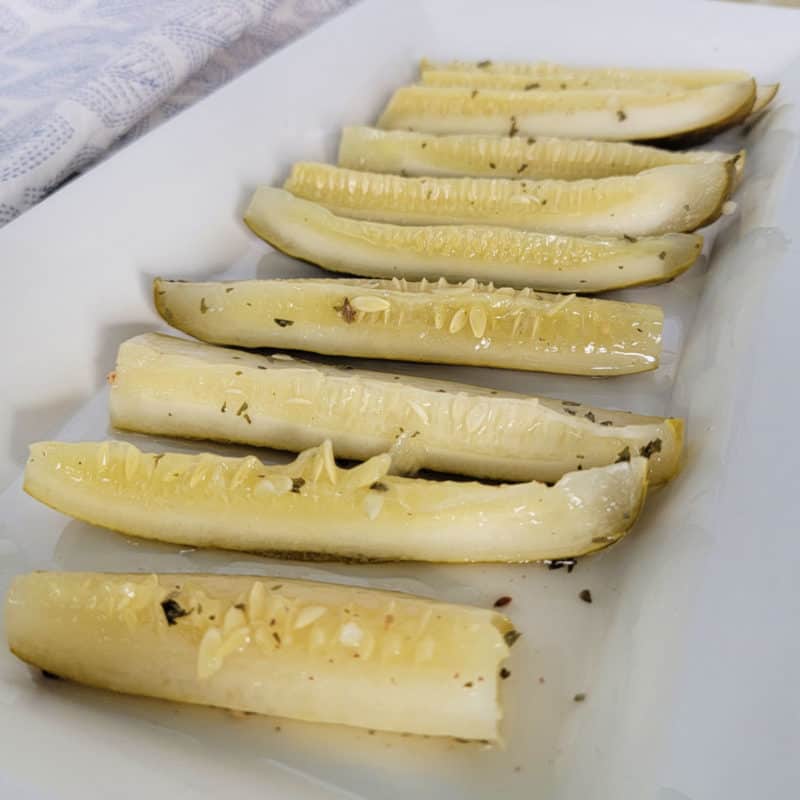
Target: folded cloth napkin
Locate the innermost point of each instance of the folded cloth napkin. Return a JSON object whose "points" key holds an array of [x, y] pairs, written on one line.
{"points": [[80, 77]]}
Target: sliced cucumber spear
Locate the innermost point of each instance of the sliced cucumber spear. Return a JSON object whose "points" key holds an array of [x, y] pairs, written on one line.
{"points": [[675, 198], [510, 257], [479, 156], [443, 323], [312, 651], [590, 77], [548, 76], [607, 80], [672, 116], [174, 387], [313, 509]]}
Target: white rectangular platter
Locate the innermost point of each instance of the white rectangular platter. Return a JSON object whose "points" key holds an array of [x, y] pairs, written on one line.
{"points": [[688, 655]]}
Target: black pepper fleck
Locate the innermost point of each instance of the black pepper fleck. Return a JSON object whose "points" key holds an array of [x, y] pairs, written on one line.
{"points": [[283, 323], [585, 595]]}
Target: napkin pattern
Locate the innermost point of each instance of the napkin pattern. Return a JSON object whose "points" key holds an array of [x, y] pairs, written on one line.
{"points": [[79, 78]]}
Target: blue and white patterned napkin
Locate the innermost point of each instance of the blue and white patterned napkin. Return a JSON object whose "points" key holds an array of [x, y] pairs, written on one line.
{"points": [[79, 77]]}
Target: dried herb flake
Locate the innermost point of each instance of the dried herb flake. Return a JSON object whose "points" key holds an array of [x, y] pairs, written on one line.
{"points": [[173, 611], [511, 637], [346, 311], [559, 563], [650, 448]]}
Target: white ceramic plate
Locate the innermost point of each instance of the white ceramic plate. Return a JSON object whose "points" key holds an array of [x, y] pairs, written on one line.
{"points": [[688, 655]]}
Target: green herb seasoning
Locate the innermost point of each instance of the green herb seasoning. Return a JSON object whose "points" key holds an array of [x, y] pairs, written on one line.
{"points": [[650, 448]]}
